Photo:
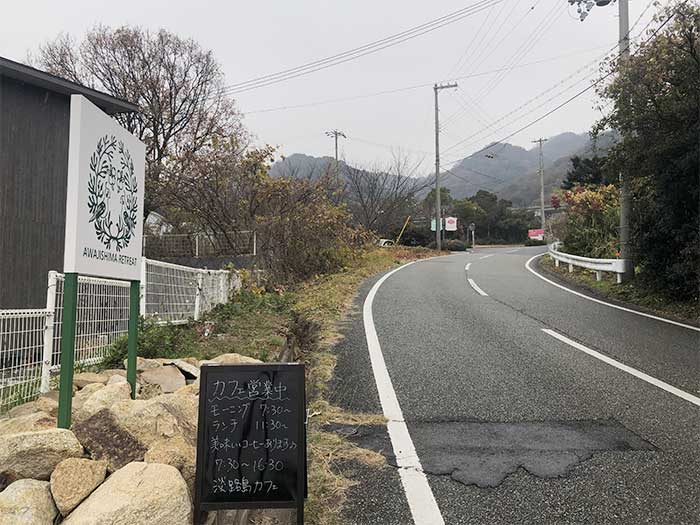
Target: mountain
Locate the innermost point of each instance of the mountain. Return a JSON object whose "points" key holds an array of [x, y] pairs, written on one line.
{"points": [[510, 171]]}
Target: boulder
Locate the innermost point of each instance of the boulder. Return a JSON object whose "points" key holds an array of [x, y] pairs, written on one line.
{"points": [[23, 410], [82, 395], [29, 423], [164, 416], [149, 391], [143, 493], [178, 453], [191, 390], [117, 379], [233, 359], [168, 377], [143, 364], [114, 372], [48, 403], [27, 502], [189, 370], [35, 454], [7, 477], [103, 398], [83, 379], [73, 480], [105, 439]]}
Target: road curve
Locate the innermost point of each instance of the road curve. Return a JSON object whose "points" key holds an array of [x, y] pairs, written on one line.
{"points": [[513, 425]]}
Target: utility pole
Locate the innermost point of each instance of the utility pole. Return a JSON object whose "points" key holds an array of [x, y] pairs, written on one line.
{"points": [[438, 211], [584, 6], [335, 134], [541, 141]]}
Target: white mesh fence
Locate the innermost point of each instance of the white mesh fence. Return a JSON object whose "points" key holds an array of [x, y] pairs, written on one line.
{"points": [[30, 340]]}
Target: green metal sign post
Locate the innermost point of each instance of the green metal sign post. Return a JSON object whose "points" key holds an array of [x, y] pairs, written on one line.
{"points": [[65, 392], [134, 296]]}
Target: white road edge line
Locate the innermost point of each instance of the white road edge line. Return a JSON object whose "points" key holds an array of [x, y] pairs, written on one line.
{"points": [[643, 314], [633, 371], [476, 287], [424, 508]]}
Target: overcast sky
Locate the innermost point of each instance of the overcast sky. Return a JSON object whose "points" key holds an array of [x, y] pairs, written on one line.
{"points": [[256, 38]]}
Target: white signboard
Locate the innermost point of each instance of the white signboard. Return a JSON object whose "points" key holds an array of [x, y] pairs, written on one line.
{"points": [[451, 224], [104, 207]]}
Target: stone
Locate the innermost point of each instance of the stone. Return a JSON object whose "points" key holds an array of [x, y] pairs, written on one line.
{"points": [[189, 370], [27, 502], [106, 440], [23, 410], [234, 359], [149, 391], [29, 423], [47, 404], [164, 416], [114, 372], [116, 379], [83, 379], [143, 364], [178, 453], [143, 493], [73, 480], [103, 398], [7, 478], [191, 390], [168, 377], [35, 454], [82, 395]]}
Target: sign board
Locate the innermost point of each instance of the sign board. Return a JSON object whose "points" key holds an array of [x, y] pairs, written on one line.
{"points": [[472, 226], [251, 438], [104, 207], [536, 234], [432, 224], [451, 224]]}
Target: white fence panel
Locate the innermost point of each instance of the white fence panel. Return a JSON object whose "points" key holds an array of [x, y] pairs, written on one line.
{"points": [[21, 355], [30, 340]]}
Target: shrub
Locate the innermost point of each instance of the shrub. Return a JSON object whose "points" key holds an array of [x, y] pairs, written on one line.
{"points": [[593, 218], [535, 242], [455, 245]]}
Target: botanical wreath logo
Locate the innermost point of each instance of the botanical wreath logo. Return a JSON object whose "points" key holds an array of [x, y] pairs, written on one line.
{"points": [[112, 190]]}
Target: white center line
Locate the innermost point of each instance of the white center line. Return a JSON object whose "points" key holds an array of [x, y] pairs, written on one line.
{"points": [[476, 288], [424, 508], [466, 268], [487, 256], [633, 371]]}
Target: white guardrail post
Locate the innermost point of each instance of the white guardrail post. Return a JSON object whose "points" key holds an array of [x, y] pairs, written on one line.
{"points": [[198, 297], [142, 299], [48, 332], [616, 266]]}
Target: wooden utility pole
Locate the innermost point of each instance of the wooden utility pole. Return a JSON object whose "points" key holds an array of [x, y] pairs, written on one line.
{"points": [[438, 211], [541, 141]]}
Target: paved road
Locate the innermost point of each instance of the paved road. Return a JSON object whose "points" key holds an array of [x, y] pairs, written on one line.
{"points": [[509, 423]]}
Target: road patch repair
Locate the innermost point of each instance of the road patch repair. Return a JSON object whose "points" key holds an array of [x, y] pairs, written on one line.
{"points": [[485, 453]]}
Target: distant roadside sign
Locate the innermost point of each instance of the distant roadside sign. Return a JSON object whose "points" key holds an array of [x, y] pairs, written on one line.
{"points": [[472, 226], [451, 224], [536, 234]]}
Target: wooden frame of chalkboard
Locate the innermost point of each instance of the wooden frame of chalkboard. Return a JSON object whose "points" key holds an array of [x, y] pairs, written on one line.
{"points": [[236, 401]]}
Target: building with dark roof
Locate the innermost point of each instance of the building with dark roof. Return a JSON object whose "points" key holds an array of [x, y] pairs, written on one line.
{"points": [[34, 130]]}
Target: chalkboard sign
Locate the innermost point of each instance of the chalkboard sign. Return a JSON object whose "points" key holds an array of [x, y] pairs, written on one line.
{"points": [[251, 438]]}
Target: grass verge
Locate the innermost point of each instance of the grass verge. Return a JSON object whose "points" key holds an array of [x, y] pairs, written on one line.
{"points": [[630, 293]]}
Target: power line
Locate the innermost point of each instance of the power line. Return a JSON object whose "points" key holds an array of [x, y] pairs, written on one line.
{"points": [[408, 88], [558, 107], [361, 51]]}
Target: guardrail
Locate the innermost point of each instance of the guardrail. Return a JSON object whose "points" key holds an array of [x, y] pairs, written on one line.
{"points": [[616, 266]]}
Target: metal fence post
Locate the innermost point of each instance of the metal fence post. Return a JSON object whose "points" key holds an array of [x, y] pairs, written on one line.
{"points": [[198, 297], [255, 243], [223, 285], [196, 244], [48, 332], [143, 288]]}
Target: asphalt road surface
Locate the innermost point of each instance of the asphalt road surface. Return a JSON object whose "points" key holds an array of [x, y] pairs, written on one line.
{"points": [[511, 400]]}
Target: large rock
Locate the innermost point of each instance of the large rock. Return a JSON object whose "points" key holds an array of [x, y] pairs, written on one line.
{"points": [[168, 377], [73, 480], [143, 493], [109, 372], [178, 453], [36, 454], [164, 416], [28, 423], [105, 439], [192, 389], [83, 395], [143, 364], [116, 379], [83, 379], [232, 359], [27, 502], [188, 369], [103, 398]]}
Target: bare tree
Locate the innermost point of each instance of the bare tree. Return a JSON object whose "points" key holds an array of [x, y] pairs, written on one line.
{"points": [[178, 85], [381, 198]]}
